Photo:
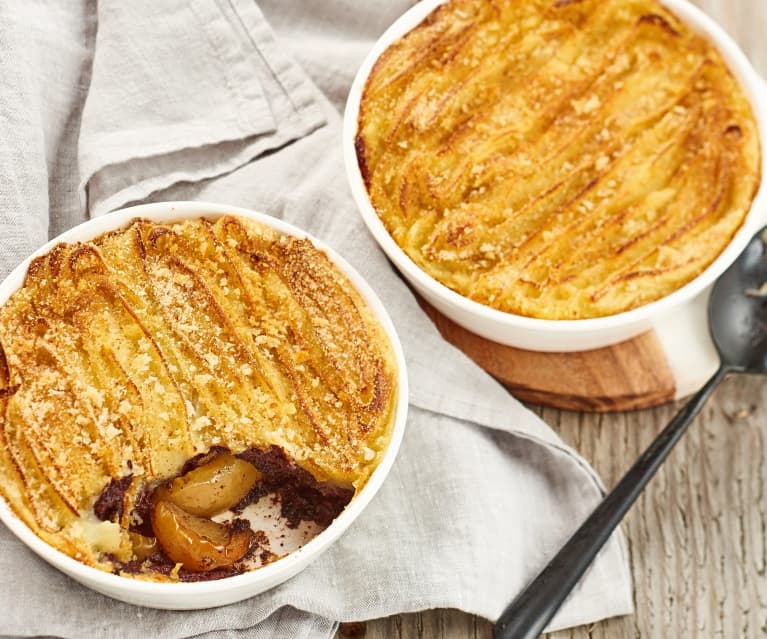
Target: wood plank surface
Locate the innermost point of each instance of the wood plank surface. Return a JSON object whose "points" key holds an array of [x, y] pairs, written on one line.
{"points": [[698, 535]]}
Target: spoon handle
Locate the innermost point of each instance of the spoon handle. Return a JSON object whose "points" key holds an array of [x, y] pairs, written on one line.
{"points": [[533, 608]]}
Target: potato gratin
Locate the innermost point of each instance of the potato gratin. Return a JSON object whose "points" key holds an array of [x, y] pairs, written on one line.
{"points": [[559, 159], [162, 374]]}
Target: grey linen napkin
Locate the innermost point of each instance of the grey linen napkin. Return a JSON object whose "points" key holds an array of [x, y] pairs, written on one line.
{"points": [[108, 105]]}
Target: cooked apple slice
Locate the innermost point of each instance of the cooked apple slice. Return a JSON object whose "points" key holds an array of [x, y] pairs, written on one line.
{"points": [[142, 546], [212, 488], [199, 544]]}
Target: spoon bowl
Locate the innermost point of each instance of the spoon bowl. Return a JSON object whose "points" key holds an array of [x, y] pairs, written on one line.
{"points": [[737, 319], [737, 310]]}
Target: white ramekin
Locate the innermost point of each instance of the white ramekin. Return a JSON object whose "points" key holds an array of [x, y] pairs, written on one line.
{"points": [[187, 596], [556, 335]]}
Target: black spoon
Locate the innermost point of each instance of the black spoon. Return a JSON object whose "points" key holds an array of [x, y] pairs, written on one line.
{"points": [[737, 319]]}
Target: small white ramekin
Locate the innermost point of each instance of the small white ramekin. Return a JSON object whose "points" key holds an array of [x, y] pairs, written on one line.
{"points": [[557, 335], [207, 594]]}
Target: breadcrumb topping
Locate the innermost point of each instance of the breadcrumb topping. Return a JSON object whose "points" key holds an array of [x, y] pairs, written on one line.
{"points": [[131, 353], [559, 160]]}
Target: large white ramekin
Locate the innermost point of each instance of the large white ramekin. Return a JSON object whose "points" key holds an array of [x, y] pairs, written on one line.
{"points": [[187, 596], [556, 335]]}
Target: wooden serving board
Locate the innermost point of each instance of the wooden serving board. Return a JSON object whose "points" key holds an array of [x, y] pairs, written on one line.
{"points": [[654, 368]]}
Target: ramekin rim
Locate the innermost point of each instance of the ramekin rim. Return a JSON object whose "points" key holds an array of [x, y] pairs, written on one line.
{"points": [[738, 63], [285, 567]]}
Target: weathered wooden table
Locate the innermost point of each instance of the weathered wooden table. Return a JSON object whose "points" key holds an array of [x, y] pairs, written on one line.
{"points": [[698, 535]]}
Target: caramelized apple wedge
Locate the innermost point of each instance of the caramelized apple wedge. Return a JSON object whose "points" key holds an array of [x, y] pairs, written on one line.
{"points": [[212, 488], [199, 544], [142, 546]]}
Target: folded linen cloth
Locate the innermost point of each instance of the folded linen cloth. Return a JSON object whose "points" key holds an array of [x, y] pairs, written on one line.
{"points": [[152, 100]]}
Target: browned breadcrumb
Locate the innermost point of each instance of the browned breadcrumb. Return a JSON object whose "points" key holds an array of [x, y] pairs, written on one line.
{"points": [[131, 353], [559, 160]]}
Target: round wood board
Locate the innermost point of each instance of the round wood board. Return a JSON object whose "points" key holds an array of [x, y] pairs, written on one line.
{"points": [[670, 361]]}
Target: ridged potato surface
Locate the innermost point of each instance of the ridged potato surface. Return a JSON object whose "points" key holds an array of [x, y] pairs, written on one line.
{"points": [[558, 159], [133, 352]]}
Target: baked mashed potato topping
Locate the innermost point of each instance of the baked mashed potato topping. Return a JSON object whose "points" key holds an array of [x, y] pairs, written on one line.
{"points": [[123, 357], [558, 159]]}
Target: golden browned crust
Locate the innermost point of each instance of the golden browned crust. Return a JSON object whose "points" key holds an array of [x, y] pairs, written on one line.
{"points": [[558, 159], [147, 345]]}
